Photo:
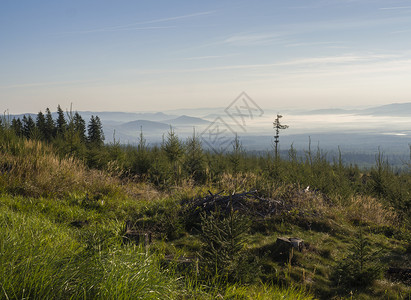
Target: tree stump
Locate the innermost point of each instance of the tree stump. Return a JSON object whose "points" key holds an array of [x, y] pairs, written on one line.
{"points": [[286, 244]]}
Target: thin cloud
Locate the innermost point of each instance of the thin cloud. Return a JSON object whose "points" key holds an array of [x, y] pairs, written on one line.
{"points": [[49, 83], [395, 7], [210, 57], [348, 60], [204, 13], [135, 26], [343, 59], [302, 44], [122, 29], [251, 39], [203, 57]]}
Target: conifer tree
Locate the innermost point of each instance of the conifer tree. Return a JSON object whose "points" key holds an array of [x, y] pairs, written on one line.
{"points": [[95, 132], [277, 126], [17, 126], [61, 123], [172, 146], [194, 163], [223, 242], [50, 129], [142, 162], [174, 150], [236, 155], [80, 126], [28, 126], [41, 125]]}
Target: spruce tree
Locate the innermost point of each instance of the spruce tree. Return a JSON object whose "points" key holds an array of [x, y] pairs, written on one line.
{"points": [[173, 150], [61, 123], [28, 126], [95, 132], [142, 161], [223, 238], [17, 126], [50, 129], [236, 156], [80, 126], [172, 146], [194, 163], [41, 124]]}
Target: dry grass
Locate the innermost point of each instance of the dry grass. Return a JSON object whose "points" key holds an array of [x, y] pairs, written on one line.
{"points": [[31, 168], [366, 209], [302, 199], [238, 182]]}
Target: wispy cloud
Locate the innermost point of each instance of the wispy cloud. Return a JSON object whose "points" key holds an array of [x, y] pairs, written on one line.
{"points": [[204, 13], [137, 25], [303, 63], [48, 84], [251, 39], [113, 29], [395, 7], [341, 59], [304, 44], [204, 57]]}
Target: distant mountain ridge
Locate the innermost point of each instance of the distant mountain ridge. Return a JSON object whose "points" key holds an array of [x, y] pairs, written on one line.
{"points": [[187, 121], [144, 125], [394, 109]]}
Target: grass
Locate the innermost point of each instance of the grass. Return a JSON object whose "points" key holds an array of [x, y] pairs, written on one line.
{"points": [[43, 260], [62, 226], [31, 168]]}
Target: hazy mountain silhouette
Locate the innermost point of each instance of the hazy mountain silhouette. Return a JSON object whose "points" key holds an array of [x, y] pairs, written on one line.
{"points": [[145, 124], [185, 120]]}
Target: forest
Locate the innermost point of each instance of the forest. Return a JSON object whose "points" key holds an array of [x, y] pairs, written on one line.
{"points": [[85, 218]]}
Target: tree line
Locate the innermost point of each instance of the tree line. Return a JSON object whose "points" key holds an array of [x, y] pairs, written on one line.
{"points": [[68, 125]]}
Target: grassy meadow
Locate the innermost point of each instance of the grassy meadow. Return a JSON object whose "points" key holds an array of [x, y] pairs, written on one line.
{"points": [[68, 201]]}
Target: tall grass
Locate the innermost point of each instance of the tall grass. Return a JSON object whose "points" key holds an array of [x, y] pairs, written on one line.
{"points": [[31, 168], [42, 260]]}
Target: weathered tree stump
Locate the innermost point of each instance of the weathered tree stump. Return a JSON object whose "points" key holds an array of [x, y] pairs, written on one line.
{"points": [[287, 243]]}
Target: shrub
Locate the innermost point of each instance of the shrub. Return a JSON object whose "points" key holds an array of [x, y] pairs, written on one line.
{"points": [[223, 240], [361, 267]]}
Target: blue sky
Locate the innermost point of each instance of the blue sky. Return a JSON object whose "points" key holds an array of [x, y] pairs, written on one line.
{"points": [[158, 55]]}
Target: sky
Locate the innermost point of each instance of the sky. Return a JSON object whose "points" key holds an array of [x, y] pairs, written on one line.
{"points": [[159, 55]]}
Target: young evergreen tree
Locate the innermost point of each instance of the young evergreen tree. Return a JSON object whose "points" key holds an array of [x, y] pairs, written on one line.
{"points": [[50, 126], [194, 162], [236, 156], [174, 150], [80, 126], [172, 146], [95, 132], [223, 240], [61, 124], [17, 126], [41, 124], [361, 267], [28, 126], [70, 135], [141, 161]]}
